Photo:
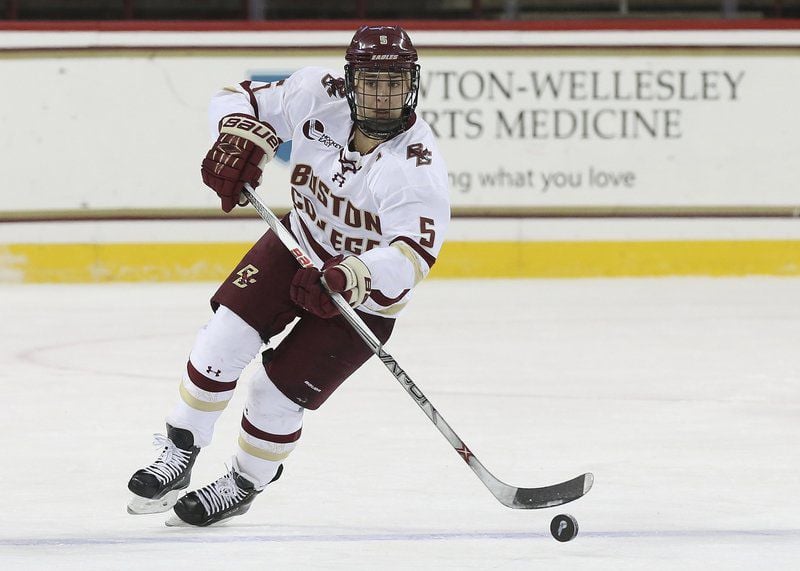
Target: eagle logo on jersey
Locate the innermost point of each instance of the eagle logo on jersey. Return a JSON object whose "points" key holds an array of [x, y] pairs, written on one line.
{"points": [[346, 166], [419, 152]]}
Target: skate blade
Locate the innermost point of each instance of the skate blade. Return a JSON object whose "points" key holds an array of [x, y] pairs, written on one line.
{"points": [[139, 505], [175, 521]]}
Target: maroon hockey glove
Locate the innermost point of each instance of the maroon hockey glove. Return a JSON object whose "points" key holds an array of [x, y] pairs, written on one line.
{"points": [[242, 149], [348, 276]]}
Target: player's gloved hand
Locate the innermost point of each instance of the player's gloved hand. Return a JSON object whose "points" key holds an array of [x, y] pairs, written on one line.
{"points": [[238, 156], [348, 276]]}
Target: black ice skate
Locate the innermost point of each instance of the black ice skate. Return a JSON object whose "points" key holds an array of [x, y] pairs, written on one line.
{"points": [[156, 487], [229, 496]]}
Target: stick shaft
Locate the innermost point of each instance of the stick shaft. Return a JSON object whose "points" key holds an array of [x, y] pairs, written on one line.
{"points": [[367, 335], [510, 496]]}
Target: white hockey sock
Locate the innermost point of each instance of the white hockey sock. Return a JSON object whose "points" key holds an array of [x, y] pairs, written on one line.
{"points": [[223, 348], [270, 429]]}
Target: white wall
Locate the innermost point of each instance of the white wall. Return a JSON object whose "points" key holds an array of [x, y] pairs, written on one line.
{"points": [[101, 126]]}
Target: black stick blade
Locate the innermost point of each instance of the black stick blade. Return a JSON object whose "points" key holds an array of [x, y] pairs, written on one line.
{"points": [[555, 495]]}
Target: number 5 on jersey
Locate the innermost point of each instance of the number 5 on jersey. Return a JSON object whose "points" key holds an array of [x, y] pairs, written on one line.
{"points": [[426, 229]]}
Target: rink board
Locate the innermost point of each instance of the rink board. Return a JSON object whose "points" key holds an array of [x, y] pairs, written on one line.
{"points": [[537, 125]]}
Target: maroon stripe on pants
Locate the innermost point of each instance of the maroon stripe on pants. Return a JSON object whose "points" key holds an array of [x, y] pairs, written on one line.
{"points": [[248, 427], [202, 382]]}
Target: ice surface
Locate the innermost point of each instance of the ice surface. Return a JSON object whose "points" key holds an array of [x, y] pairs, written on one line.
{"points": [[681, 395]]}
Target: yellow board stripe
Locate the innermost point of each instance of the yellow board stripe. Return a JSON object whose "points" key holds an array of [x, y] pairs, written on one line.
{"points": [[80, 263], [260, 453], [618, 259], [198, 404], [87, 263]]}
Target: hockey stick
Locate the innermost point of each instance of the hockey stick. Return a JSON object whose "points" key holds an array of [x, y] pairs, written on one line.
{"points": [[511, 496]]}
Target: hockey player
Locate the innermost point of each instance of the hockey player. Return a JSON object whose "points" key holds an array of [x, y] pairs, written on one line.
{"points": [[370, 204]]}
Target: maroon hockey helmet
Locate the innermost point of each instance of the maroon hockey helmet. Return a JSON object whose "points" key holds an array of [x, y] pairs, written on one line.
{"points": [[381, 80]]}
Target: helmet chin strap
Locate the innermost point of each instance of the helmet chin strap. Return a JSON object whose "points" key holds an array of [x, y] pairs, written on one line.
{"points": [[369, 135], [391, 128]]}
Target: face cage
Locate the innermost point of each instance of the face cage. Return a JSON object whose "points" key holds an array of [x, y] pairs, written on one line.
{"points": [[367, 116]]}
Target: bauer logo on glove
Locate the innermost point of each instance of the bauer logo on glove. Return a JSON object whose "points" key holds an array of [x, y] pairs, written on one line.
{"points": [[250, 128], [244, 146]]}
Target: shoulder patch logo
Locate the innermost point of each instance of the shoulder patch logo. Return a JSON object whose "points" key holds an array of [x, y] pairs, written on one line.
{"points": [[420, 153], [334, 86]]}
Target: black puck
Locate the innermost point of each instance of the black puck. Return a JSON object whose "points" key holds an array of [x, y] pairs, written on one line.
{"points": [[564, 527]]}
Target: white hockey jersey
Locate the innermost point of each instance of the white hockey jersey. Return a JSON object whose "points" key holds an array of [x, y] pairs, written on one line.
{"points": [[390, 207]]}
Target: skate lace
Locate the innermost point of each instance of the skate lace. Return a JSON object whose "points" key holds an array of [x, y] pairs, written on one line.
{"points": [[172, 461], [221, 495]]}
